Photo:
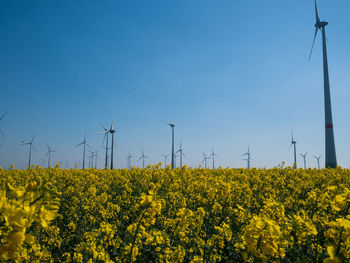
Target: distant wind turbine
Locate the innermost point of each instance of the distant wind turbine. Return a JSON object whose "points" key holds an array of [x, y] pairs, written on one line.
{"points": [[205, 158], [143, 157], [318, 160], [295, 150], [2, 116], [49, 154], [213, 157], [330, 158], [105, 132], [128, 158], [172, 125], [304, 157], [181, 154], [248, 157], [165, 159], [85, 144], [30, 149]]}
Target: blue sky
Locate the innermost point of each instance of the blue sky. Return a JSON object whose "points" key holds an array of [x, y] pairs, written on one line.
{"points": [[228, 73]]}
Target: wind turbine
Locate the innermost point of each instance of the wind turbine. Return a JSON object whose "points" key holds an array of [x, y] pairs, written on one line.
{"points": [[30, 148], [128, 158], [304, 156], [330, 158], [248, 157], [112, 131], [295, 150], [105, 132], [181, 154], [143, 157], [96, 157], [49, 154], [213, 157], [205, 160], [2, 116], [165, 159], [172, 125], [91, 158], [85, 144], [318, 160]]}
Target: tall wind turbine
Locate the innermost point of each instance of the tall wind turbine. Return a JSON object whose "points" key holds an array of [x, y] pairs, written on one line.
{"points": [[295, 150], [331, 158], [85, 144], [181, 154], [304, 157], [248, 157], [318, 160], [112, 131], [105, 132], [30, 148], [143, 157], [2, 116], [213, 157], [49, 154], [172, 125]]}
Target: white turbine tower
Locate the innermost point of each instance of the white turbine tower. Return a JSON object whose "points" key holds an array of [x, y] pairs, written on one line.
{"points": [[165, 159], [49, 154], [248, 157], [143, 157], [304, 157], [2, 116], [330, 157], [84, 143], [172, 125], [295, 151], [30, 149], [213, 157], [181, 154], [205, 158], [105, 132], [318, 160], [112, 131], [128, 159]]}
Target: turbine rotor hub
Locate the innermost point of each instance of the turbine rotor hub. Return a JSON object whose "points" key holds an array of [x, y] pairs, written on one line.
{"points": [[321, 24]]}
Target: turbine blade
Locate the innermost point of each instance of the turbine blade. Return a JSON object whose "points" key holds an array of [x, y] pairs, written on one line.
{"points": [[79, 144], [103, 132], [32, 139], [34, 148], [313, 43], [317, 16], [2, 116], [3, 135], [103, 127]]}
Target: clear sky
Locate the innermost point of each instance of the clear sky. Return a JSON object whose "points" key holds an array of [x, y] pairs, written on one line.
{"points": [[228, 73]]}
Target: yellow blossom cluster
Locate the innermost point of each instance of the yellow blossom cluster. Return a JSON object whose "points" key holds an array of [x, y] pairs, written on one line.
{"points": [[175, 215]]}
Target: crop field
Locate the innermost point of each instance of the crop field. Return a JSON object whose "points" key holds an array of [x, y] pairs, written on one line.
{"points": [[181, 215]]}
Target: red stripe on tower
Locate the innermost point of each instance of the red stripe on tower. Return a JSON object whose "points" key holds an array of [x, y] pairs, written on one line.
{"points": [[329, 126]]}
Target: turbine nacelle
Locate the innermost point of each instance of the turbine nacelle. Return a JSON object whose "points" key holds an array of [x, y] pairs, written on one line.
{"points": [[321, 24]]}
